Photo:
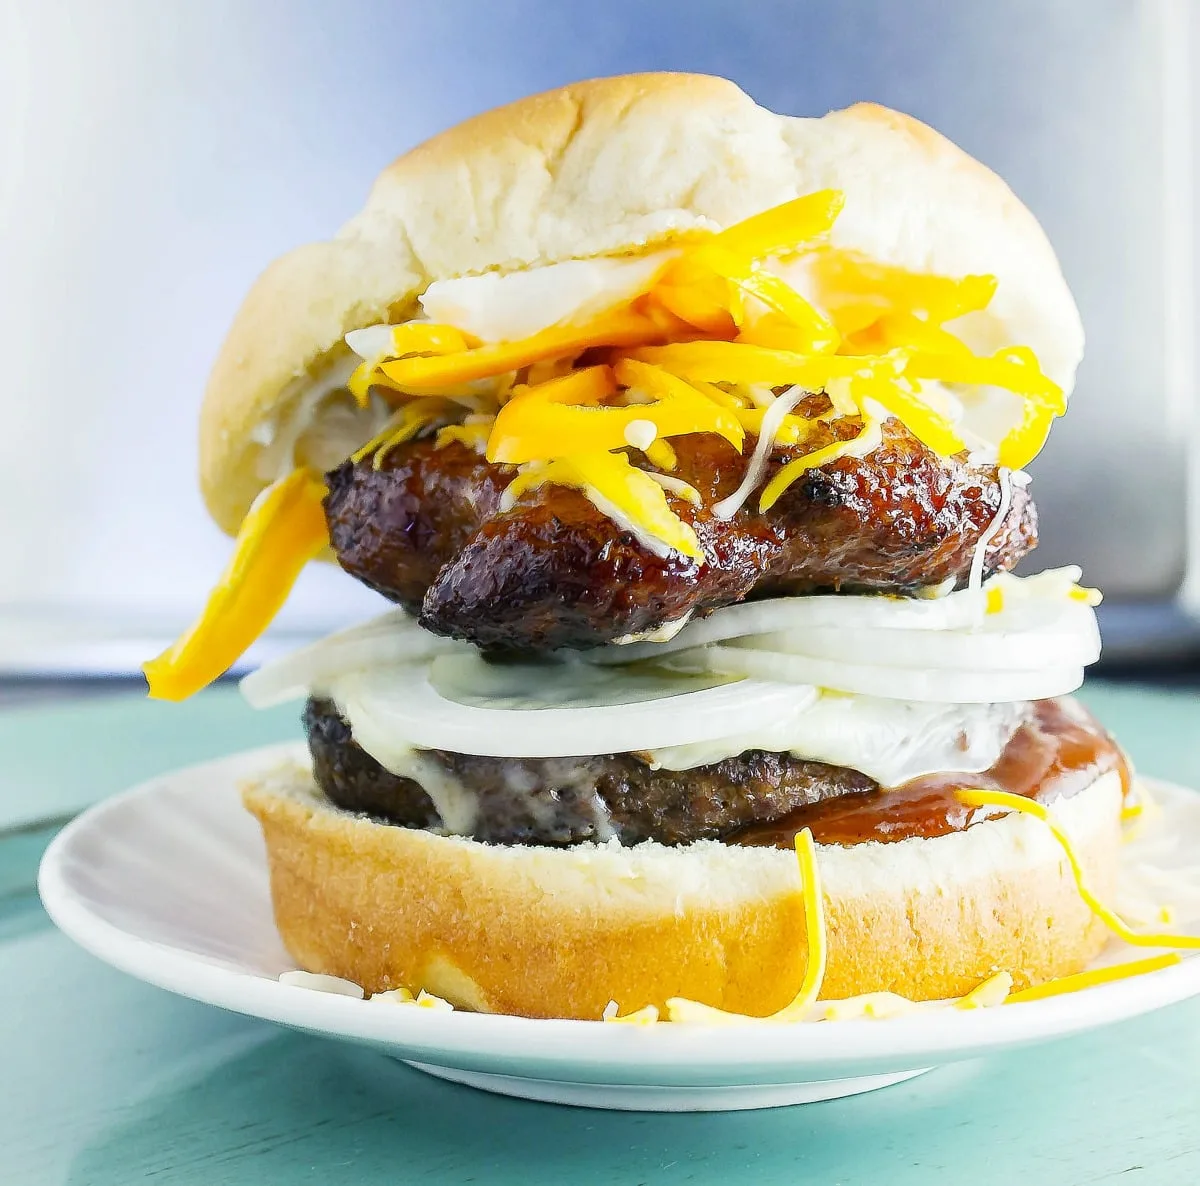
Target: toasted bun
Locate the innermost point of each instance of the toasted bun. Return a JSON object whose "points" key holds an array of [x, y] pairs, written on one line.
{"points": [[615, 166], [549, 932]]}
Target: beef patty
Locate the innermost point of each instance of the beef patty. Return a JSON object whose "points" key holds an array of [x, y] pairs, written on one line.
{"points": [[756, 798], [562, 801], [425, 530]]}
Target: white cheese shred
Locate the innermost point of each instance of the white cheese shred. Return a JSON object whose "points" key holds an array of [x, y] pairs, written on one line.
{"points": [[772, 422], [975, 583]]}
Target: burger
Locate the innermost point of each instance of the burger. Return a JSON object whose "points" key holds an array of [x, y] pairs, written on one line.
{"points": [[687, 441]]}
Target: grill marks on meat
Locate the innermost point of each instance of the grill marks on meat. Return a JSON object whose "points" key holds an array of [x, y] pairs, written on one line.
{"points": [[563, 801], [425, 530], [397, 527]]}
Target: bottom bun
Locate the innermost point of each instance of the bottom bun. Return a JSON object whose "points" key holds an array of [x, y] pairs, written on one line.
{"points": [[559, 932]]}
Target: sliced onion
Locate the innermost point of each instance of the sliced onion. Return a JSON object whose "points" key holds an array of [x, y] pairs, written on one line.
{"points": [[897, 683], [1031, 603], [1072, 644], [386, 705], [498, 307], [392, 638]]}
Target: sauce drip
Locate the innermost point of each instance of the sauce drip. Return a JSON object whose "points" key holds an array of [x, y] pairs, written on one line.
{"points": [[1058, 752]]}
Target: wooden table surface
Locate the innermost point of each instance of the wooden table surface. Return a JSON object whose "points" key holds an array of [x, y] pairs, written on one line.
{"points": [[105, 1081]]}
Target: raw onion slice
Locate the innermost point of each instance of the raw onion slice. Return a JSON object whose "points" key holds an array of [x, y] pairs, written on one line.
{"points": [[387, 704], [897, 683], [1030, 603], [1071, 641], [390, 639]]}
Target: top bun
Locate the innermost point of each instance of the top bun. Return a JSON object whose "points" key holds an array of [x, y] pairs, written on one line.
{"points": [[618, 166]]}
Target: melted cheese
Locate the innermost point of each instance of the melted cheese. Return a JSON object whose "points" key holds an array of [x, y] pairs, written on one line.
{"points": [[891, 741]]}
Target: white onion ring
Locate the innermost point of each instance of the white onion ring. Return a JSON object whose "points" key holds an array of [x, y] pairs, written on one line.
{"points": [[1065, 644], [390, 639], [1032, 604], [386, 704], [895, 683]]}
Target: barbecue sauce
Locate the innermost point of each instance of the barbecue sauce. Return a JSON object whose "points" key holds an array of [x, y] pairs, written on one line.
{"points": [[1060, 751]]}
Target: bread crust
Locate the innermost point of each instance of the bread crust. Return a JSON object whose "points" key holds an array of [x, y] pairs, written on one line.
{"points": [[546, 932], [618, 166]]}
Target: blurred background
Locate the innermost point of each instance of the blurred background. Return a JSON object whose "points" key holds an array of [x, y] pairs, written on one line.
{"points": [[156, 154]]}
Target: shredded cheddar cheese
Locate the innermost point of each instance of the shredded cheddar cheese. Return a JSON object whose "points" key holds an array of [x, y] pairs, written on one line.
{"points": [[284, 529], [993, 991], [704, 346], [404, 996], [1082, 980], [851, 279], [647, 1015], [626, 494], [813, 901], [426, 372], [473, 435], [742, 362], [812, 332], [534, 426], [412, 338], [866, 440], [404, 424], [1118, 926]]}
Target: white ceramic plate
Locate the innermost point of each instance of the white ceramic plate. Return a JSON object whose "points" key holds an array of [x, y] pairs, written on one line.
{"points": [[168, 882]]}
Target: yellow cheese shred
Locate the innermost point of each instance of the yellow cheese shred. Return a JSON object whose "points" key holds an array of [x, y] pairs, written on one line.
{"points": [[866, 440], [537, 426], [815, 333], [784, 229], [813, 900], [283, 531], [847, 278], [474, 436], [745, 363], [931, 428], [620, 490], [409, 338], [986, 798], [422, 1000], [1082, 980], [995, 990], [623, 327], [700, 298], [404, 424]]}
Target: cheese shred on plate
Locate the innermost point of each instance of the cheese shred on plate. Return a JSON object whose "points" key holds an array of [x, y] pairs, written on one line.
{"points": [[1116, 924], [994, 990], [699, 337]]}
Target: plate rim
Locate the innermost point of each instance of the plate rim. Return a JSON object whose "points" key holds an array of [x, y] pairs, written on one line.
{"points": [[476, 1040]]}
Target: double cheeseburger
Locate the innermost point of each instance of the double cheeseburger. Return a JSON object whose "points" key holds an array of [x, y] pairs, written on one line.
{"points": [[687, 441]]}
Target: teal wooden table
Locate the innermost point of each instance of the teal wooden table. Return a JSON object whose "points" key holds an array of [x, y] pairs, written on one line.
{"points": [[107, 1082]]}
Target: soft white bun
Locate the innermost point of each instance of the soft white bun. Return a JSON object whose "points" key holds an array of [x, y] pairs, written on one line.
{"points": [[615, 166], [549, 932]]}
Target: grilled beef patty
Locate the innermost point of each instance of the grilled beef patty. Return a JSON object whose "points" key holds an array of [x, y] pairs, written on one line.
{"points": [[757, 798], [425, 530], [562, 801]]}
